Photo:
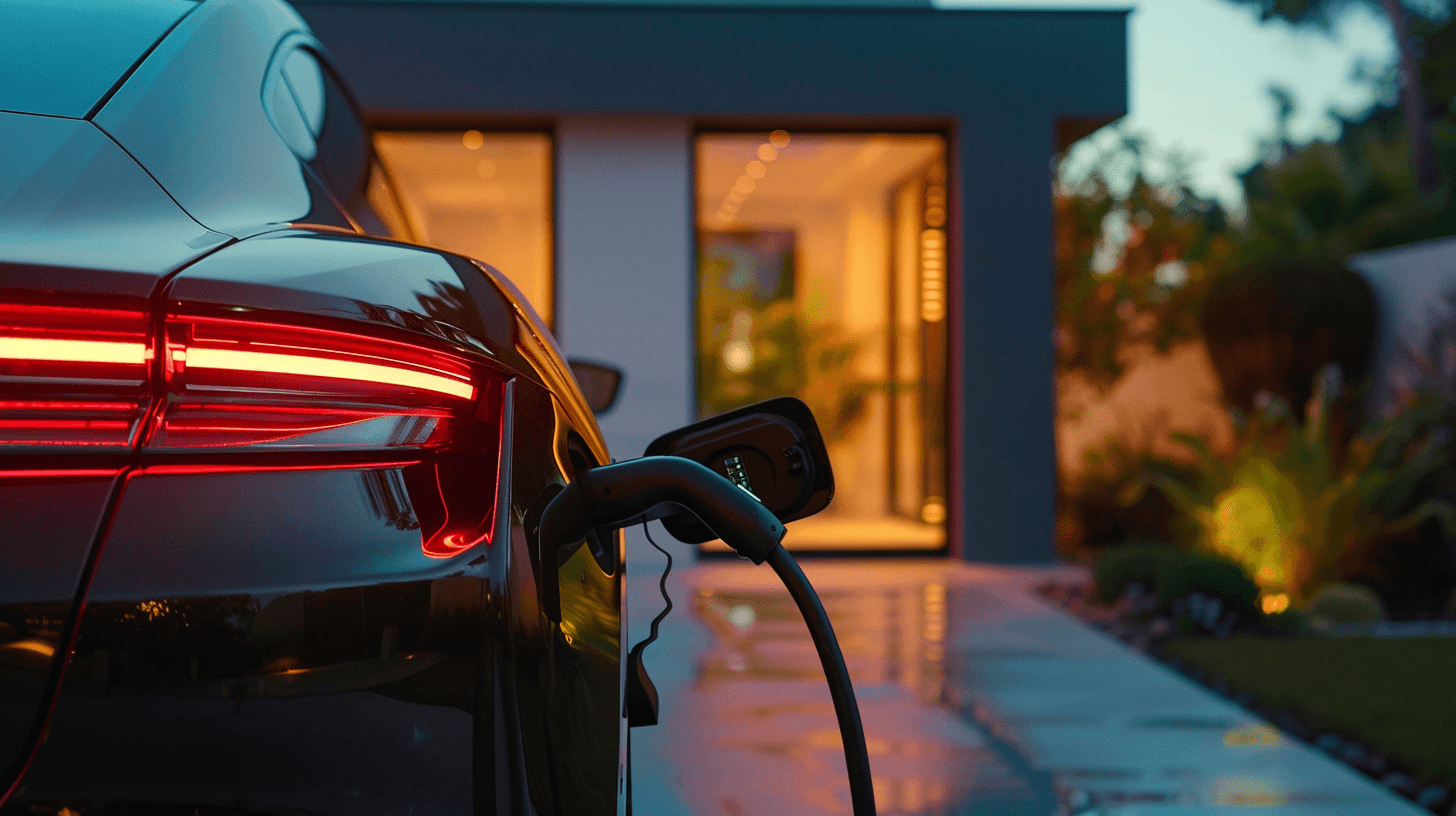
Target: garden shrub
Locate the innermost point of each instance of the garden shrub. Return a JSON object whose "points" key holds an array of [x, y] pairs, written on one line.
{"points": [[1300, 508], [1105, 508], [1120, 567], [1271, 327], [1344, 603], [1185, 573]]}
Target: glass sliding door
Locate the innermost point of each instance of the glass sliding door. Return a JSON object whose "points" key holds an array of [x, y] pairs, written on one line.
{"points": [[486, 195], [822, 273]]}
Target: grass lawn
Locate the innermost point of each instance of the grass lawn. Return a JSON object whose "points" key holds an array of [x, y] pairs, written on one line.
{"points": [[1396, 695]]}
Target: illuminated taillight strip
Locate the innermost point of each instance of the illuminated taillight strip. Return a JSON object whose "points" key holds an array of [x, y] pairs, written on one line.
{"points": [[191, 470], [310, 366], [64, 424], [72, 351], [58, 473], [58, 405]]}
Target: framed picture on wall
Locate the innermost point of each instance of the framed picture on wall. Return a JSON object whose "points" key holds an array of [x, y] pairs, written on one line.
{"points": [[755, 265], [747, 334]]}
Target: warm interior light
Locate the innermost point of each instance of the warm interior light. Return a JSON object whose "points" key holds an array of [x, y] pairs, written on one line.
{"points": [[315, 366]]}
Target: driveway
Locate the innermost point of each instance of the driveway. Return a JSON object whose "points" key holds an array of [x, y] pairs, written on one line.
{"points": [[977, 698]]}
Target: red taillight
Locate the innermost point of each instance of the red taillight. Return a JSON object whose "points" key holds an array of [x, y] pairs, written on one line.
{"points": [[256, 386], [236, 383], [82, 379], [72, 378]]}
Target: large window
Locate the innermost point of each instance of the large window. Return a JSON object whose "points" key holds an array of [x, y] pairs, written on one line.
{"points": [[822, 274], [484, 195]]}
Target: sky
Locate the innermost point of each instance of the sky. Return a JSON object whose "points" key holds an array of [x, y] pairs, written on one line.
{"points": [[1200, 69]]}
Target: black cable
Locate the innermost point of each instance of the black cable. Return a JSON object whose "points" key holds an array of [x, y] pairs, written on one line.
{"points": [[640, 701], [851, 730], [661, 585]]}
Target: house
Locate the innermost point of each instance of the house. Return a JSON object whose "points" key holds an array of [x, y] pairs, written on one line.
{"points": [[849, 202]]}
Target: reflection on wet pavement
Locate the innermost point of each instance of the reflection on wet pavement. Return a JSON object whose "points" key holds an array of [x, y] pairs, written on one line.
{"points": [[753, 731], [977, 698]]}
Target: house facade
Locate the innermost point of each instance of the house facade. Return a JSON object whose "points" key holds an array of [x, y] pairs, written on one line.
{"points": [[848, 203]]}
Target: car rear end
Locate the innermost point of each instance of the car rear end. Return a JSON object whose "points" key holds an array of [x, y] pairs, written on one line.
{"points": [[263, 496]]}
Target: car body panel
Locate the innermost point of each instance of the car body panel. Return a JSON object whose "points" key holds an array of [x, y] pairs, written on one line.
{"points": [[61, 243], [61, 184], [227, 581], [180, 533], [247, 638], [42, 38], [355, 278], [49, 524], [224, 164]]}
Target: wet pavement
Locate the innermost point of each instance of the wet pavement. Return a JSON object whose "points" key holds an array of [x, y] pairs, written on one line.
{"points": [[977, 699]]}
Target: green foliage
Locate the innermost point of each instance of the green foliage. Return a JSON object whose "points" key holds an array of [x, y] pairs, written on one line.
{"points": [[1290, 622], [1360, 191], [814, 361], [1333, 199], [1270, 327], [1121, 567], [1346, 603], [1131, 266], [1183, 573], [1300, 510], [1170, 573], [1393, 694], [1103, 506], [1324, 200]]}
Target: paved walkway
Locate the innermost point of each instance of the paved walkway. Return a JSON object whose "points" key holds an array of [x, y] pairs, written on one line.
{"points": [[977, 698]]}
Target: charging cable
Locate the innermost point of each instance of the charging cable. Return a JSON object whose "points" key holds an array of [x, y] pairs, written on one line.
{"points": [[625, 493]]}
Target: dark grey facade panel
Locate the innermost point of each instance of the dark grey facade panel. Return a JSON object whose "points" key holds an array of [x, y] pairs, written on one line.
{"points": [[998, 81], [712, 61]]}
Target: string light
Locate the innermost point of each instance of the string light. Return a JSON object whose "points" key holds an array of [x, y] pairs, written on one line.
{"points": [[754, 170]]}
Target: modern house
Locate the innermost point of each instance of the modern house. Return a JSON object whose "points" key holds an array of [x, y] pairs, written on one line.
{"points": [[851, 203]]}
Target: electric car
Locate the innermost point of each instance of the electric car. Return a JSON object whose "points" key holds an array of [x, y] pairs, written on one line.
{"points": [[266, 471]]}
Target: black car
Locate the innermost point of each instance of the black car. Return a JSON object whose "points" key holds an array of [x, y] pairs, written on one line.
{"points": [[297, 516], [264, 472]]}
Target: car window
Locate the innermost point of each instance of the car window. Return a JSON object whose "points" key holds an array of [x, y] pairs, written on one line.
{"points": [[343, 142], [305, 80], [315, 116], [383, 214]]}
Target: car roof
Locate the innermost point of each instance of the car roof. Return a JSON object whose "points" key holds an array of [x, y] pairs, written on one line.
{"points": [[63, 57]]}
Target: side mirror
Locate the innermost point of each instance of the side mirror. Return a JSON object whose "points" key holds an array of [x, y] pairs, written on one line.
{"points": [[600, 384], [771, 449]]}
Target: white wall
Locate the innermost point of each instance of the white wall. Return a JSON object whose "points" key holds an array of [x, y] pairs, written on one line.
{"points": [[624, 279], [1411, 285], [1158, 395]]}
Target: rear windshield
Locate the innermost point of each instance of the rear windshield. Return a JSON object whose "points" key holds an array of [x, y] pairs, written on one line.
{"points": [[61, 57]]}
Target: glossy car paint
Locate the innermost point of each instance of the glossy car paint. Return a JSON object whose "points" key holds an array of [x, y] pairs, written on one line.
{"points": [[270, 628], [43, 35]]}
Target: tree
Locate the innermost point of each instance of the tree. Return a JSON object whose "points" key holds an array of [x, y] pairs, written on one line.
{"points": [[1414, 101], [1329, 200], [1131, 264]]}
